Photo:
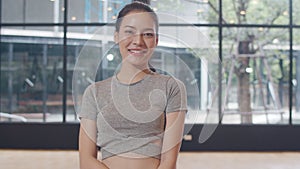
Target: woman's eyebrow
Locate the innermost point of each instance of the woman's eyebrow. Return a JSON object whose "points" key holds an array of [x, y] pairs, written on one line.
{"points": [[132, 27], [149, 29], [128, 26]]}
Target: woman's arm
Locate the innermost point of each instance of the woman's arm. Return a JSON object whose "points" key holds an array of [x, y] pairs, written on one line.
{"points": [[172, 140], [87, 146]]}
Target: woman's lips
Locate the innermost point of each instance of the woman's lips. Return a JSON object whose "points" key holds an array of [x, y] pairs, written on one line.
{"points": [[137, 52]]}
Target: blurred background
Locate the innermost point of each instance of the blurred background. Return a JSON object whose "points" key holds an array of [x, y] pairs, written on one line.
{"points": [[243, 56]]}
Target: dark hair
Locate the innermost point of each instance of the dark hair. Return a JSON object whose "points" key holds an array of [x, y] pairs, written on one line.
{"points": [[136, 6], [143, 1]]}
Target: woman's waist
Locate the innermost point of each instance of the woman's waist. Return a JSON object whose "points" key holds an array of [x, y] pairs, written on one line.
{"points": [[132, 148], [131, 160]]}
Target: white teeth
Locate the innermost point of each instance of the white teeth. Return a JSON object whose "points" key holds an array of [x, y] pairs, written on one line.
{"points": [[136, 51]]}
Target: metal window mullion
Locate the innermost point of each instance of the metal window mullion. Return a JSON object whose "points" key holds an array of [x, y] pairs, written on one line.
{"points": [[65, 23], [0, 51], [291, 61], [220, 25]]}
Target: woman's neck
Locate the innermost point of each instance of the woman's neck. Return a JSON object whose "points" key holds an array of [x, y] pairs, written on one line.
{"points": [[132, 75]]}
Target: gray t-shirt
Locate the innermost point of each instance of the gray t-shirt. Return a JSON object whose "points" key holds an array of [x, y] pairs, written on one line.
{"points": [[130, 118]]}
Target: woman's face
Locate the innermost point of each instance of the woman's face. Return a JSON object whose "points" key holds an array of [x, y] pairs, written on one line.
{"points": [[137, 38]]}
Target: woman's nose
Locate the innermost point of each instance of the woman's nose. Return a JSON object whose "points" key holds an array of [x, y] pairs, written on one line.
{"points": [[138, 39]]}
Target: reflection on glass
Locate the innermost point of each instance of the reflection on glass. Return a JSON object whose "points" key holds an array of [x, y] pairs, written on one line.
{"points": [[256, 69], [31, 77]]}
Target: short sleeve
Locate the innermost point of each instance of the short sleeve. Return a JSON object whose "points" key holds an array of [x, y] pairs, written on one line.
{"points": [[176, 96], [88, 107]]}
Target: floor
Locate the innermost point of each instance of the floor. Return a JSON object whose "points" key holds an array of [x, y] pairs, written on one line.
{"points": [[39, 159]]}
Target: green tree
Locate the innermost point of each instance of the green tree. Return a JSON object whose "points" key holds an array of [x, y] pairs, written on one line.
{"points": [[245, 42], [248, 43]]}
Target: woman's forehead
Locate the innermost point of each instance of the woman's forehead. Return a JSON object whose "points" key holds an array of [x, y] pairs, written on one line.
{"points": [[138, 18]]}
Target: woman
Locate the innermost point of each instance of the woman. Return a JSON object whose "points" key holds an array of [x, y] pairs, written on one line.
{"points": [[136, 116]]}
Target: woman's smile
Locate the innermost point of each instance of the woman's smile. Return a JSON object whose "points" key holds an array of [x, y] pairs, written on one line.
{"points": [[137, 52]]}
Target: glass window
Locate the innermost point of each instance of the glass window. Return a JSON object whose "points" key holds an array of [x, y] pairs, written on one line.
{"points": [[83, 50], [193, 49], [296, 77], [296, 12], [202, 11], [89, 11], [32, 11], [31, 76], [255, 82], [268, 12], [256, 72]]}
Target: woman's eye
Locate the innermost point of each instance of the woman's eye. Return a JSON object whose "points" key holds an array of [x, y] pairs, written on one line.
{"points": [[129, 32], [148, 35]]}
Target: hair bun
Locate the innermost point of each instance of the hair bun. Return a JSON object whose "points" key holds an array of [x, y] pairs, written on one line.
{"points": [[143, 1]]}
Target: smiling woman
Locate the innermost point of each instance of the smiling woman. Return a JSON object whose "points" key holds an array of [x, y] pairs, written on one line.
{"points": [[136, 116], [137, 40]]}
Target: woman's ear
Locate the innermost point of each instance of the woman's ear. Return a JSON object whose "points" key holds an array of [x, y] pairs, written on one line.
{"points": [[156, 40], [116, 37]]}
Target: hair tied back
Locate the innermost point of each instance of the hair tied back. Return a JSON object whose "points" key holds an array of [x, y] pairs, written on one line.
{"points": [[143, 1]]}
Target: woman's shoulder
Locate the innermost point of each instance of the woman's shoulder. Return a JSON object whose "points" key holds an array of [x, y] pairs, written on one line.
{"points": [[102, 84], [167, 78], [159, 76]]}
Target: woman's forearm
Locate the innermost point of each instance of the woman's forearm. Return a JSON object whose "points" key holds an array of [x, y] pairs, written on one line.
{"points": [[87, 147], [92, 163], [166, 166]]}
